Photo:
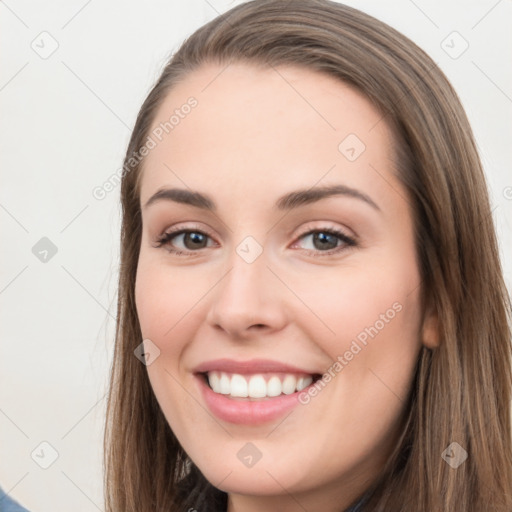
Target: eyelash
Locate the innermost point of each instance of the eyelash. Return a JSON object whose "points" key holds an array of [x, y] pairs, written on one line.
{"points": [[165, 239]]}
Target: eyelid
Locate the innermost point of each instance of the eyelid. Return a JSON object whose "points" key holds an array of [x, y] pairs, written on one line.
{"points": [[325, 226], [183, 226]]}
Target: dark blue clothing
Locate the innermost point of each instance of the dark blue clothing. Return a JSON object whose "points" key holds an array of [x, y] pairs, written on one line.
{"points": [[358, 507], [7, 504]]}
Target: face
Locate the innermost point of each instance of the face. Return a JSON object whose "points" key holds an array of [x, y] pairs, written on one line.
{"points": [[278, 284]]}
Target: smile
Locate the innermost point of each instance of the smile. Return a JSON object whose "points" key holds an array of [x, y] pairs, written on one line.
{"points": [[258, 385], [251, 392]]}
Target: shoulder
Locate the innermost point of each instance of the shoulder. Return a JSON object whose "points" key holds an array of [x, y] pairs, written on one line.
{"points": [[7, 504]]}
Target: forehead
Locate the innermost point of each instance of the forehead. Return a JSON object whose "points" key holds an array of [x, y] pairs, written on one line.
{"points": [[252, 127]]}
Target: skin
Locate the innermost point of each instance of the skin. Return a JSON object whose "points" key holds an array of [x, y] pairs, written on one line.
{"points": [[255, 135]]}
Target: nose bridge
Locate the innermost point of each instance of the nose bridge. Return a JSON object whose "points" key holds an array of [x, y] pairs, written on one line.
{"points": [[247, 295]]}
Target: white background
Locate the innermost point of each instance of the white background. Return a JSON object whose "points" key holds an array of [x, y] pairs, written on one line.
{"points": [[65, 125]]}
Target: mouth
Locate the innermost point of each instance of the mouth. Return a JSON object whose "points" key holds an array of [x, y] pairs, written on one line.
{"points": [[257, 387], [252, 399]]}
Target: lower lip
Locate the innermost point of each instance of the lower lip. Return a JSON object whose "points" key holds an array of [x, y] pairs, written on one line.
{"points": [[247, 412]]}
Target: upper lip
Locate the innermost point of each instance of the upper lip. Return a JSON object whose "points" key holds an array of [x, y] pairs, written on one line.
{"points": [[249, 367]]}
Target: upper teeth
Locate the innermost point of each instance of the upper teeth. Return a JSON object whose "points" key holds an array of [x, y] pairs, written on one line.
{"points": [[257, 386]]}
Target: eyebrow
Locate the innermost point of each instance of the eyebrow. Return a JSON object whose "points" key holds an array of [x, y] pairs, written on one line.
{"points": [[287, 202]]}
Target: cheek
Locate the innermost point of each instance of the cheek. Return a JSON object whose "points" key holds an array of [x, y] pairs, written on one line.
{"points": [[355, 302], [168, 305], [163, 297], [370, 319]]}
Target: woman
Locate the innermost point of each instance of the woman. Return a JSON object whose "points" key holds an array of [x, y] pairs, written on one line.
{"points": [[312, 314]]}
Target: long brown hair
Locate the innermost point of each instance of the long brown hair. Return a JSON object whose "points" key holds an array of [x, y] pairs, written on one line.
{"points": [[462, 390]]}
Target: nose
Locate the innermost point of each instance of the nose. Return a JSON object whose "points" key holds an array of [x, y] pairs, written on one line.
{"points": [[248, 300]]}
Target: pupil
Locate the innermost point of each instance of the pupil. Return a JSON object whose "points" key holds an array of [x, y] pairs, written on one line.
{"points": [[195, 238], [325, 238]]}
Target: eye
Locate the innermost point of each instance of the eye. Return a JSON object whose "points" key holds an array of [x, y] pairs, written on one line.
{"points": [[187, 240], [327, 241]]}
